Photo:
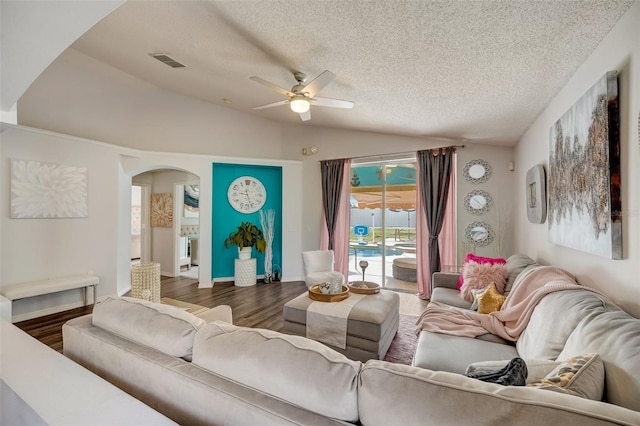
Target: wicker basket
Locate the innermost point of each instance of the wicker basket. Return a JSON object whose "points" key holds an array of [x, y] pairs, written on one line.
{"points": [[145, 281]]}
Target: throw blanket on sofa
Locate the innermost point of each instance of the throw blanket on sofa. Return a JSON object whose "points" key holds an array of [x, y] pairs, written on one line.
{"points": [[511, 320]]}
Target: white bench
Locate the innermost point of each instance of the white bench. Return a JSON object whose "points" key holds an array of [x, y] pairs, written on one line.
{"points": [[52, 285]]}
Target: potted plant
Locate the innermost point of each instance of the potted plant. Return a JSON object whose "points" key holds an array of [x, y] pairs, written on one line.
{"points": [[245, 237]]}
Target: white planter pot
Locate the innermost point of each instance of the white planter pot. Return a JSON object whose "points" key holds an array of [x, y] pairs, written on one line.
{"points": [[244, 253]]}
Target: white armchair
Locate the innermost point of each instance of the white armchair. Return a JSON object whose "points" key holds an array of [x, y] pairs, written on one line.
{"points": [[318, 267]]}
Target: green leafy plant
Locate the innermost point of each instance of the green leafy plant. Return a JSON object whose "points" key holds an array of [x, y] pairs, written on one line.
{"points": [[246, 235]]}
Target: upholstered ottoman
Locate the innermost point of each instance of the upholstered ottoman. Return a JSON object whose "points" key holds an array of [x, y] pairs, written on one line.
{"points": [[372, 323], [404, 268]]}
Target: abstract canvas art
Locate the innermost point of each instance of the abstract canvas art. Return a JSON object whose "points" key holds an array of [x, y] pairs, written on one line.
{"points": [[47, 190], [584, 173], [162, 210]]}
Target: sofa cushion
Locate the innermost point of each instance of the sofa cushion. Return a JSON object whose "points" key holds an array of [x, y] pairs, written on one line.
{"points": [[615, 336], [552, 322], [444, 352], [449, 296], [395, 394], [162, 327], [580, 375], [293, 368], [516, 264]]}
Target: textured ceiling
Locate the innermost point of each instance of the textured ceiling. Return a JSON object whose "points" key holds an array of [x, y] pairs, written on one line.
{"points": [[468, 70]]}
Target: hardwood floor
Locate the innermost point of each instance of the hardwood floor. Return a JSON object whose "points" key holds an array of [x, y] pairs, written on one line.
{"points": [[256, 306]]}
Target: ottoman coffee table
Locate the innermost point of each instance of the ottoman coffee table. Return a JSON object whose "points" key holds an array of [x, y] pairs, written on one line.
{"points": [[372, 323]]}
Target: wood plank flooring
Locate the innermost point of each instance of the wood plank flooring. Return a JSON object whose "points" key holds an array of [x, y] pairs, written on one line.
{"points": [[255, 306]]}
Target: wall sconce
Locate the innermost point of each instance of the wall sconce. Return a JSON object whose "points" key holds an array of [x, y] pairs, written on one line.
{"points": [[309, 150]]}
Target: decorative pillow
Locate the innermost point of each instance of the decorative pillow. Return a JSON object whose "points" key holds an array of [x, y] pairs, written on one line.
{"points": [[480, 275], [513, 374], [536, 368], [490, 300], [581, 376], [478, 259]]}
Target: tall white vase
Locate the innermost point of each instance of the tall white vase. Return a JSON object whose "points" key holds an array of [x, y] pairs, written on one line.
{"points": [[244, 253]]}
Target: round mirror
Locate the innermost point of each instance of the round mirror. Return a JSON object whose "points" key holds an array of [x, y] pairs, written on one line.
{"points": [[477, 171], [478, 202], [479, 233]]}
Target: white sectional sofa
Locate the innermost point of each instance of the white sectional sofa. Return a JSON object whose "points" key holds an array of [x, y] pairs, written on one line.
{"points": [[39, 386], [217, 373]]}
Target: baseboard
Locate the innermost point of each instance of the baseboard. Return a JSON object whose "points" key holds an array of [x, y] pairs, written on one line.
{"points": [[47, 311]]}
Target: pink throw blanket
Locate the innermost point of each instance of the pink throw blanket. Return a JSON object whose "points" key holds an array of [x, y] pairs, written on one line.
{"points": [[511, 320]]}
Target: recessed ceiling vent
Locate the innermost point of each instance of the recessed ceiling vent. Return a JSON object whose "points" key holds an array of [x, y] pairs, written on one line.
{"points": [[168, 60]]}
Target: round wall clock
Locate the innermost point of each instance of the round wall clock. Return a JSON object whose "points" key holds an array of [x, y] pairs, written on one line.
{"points": [[247, 194]]}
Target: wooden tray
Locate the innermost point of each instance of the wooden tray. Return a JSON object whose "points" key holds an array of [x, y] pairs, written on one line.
{"points": [[364, 287], [317, 295]]}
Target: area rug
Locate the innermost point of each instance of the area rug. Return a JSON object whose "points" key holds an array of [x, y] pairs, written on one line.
{"points": [[189, 307], [403, 345]]}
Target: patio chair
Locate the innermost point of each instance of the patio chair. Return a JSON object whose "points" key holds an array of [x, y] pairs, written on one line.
{"points": [[318, 267]]}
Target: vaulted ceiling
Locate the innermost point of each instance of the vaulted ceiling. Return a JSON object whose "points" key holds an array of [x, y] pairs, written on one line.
{"points": [[460, 70]]}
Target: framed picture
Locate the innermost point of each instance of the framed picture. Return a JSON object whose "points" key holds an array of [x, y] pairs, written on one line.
{"points": [[48, 190], [585, 209], [536, 194], [162, 210], [191, 200]]}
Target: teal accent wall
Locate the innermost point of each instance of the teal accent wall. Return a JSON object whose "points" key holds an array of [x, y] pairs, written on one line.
{"points": [[225, 219]]}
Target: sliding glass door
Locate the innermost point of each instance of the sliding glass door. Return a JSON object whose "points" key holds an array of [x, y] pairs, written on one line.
{"points": [[383, 223]]}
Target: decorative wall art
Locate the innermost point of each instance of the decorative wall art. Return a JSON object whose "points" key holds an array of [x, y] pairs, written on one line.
{"points": [[47, 190], [584, 173], [478, 202], [479, 234], [536, 194], [192, 200], [162, 210], [477, 171]]}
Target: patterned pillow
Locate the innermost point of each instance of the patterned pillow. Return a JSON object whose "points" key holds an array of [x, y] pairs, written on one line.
{"points": [[478, 259], [581, 376], [480, 275], [490, 300]]}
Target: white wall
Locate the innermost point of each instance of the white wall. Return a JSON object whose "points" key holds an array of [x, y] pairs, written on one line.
{"points": [[33, 35], [501, 186], [33, 249], [163, 240], [335, 143], [619, 279], [80, 96]]}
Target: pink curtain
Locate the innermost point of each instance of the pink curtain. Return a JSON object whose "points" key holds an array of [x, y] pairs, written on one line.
{"points": [[447, 238], [341, 234]]}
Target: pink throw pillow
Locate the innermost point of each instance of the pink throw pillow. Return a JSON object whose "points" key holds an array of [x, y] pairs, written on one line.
{"points": [[481, 275], [478, 259]]}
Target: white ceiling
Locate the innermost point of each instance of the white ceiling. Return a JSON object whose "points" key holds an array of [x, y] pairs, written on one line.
{"points": [[465, 70]]}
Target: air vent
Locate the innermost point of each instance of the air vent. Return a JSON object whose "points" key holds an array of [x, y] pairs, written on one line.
{"points": [[168, 60]]}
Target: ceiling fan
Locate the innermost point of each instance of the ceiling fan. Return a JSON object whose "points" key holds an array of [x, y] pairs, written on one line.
{"points": [[301, 96]]}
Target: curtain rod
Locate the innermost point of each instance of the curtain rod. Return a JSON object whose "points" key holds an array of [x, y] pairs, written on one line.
{"points": [[383, 156]]}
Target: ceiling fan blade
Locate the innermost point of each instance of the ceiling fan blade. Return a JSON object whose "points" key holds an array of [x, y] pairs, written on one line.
{"points": [[272, 86], [334, 103], [305, 116], [318, 83], [274, 104]]}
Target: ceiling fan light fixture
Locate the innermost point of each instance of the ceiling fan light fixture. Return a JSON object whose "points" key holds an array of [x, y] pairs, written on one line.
{"points": [[300, 105]]}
